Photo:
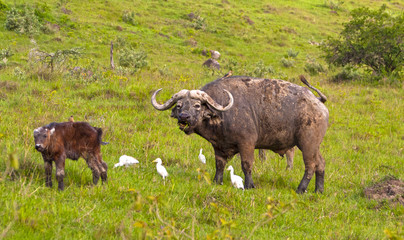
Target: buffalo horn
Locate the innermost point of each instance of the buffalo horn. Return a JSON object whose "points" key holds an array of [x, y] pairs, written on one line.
{"points": [[203, 96], [170, 102]]}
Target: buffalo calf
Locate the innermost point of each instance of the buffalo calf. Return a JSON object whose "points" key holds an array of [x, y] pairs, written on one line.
{"points": [[58, 141]]}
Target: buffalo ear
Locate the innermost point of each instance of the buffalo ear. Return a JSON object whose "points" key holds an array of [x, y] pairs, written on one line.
{"points": [[211, 115]]}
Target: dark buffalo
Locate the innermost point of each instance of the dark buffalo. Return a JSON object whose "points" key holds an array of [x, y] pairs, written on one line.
{"points": [[239, 114], [58, 141]]}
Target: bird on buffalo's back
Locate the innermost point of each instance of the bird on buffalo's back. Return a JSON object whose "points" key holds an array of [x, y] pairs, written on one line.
{"points": [[202, 157], [228, 74], [237, 181], [160, 168], [70, 119]]}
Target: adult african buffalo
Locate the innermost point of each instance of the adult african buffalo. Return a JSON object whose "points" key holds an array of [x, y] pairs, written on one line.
{"points": [[239, 114]]}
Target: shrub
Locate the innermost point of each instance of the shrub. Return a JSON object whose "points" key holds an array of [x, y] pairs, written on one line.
{"points": [[23, 21], [48, 65], [261, 70], [19, 73], [3, 6], [348, 73], [333, 5], [129, 18], [373, 38], [130, 58], [5, 53], [287, 62], [198, 23], [313, 67], [292, 53]]}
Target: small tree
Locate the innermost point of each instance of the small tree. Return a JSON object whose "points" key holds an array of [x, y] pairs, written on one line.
{"points": [[373, 38]]}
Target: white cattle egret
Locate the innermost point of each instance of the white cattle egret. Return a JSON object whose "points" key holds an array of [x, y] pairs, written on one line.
{"points": [[160, 168], [125, 160], [202, 157], [237, 181]]}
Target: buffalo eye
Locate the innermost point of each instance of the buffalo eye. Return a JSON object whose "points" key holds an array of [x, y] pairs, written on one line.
{"points": [[197, 106]]}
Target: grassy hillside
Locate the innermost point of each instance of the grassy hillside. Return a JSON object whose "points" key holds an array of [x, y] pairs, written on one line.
{"points": [[364, 143]]}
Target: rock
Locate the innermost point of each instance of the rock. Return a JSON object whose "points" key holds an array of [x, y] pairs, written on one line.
{"points": [[214, 54], [191, 16], [211, 63]]}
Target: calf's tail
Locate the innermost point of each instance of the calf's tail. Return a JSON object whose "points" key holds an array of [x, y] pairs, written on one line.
{"points": [[99, 132], [322, 97]]}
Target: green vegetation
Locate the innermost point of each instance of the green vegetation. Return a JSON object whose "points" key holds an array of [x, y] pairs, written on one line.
{"points": [[374, 38], [362, 146]]}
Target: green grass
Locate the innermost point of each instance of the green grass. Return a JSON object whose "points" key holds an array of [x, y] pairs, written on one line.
{"points": [[363, 145]]}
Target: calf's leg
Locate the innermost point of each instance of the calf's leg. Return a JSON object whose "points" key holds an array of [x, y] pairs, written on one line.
{"points": [[60, 172], [48, 173], [93, 165], [102, 166]]}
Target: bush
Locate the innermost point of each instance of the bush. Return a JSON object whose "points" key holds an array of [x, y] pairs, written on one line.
{"points": [[129, 18], [372, 38], [3, 6], [261, 70], [287, 62], [5, 53], [348, 73], [19, 73], [130, 58], [313, 67], [333, 5], [49, 65], [292, 53], [198, 23], [23, 21]]}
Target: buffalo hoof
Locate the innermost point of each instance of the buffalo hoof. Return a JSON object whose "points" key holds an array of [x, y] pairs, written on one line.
{"points": [[319, 190], [61, 186], [218, 180], [248, 186], [301, 191]]}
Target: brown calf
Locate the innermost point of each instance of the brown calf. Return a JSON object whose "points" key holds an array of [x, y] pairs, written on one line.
{"points": [[58, 141]]}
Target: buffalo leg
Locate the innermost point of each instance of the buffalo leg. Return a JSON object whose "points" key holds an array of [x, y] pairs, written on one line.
{"points": [[289, 158], [220, 164], [247, 160], [93, 165], [60, 172], [309, 158], [102, 166], [262, 155], [48, 173], [320, 170], [104, 169]]}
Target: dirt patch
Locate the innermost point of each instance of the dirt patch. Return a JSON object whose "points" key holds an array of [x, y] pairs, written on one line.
{"points": [[389, 189]]}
